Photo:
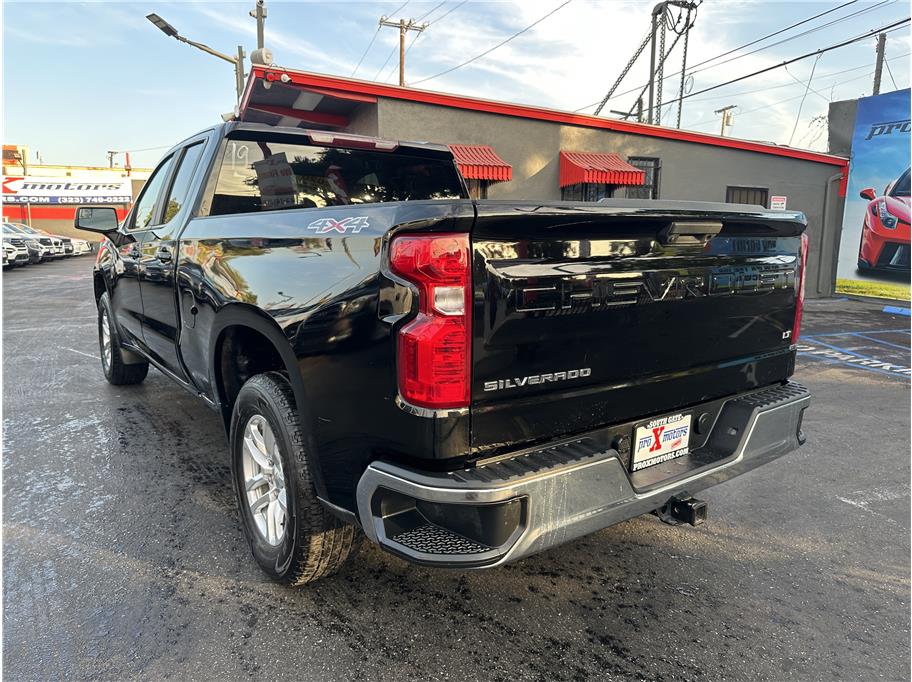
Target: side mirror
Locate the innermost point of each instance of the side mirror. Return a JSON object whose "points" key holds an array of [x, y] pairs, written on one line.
{"points": [[101, 219], [867, 194]]}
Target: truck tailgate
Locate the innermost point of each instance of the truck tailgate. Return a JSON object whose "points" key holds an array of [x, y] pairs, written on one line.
{"points": [[591, 314]]}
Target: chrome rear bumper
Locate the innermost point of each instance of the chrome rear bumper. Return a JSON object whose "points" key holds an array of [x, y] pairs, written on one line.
{"points": [[511, 508]]}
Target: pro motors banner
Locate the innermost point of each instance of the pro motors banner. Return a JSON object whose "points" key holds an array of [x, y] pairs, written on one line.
{"points": [[37, 190], [874, 251]]}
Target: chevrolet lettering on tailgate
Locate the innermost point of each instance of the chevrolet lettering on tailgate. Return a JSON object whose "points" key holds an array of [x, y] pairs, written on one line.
{"points": [[601, 291]]}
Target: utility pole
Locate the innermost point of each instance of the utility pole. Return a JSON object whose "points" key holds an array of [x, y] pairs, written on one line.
{"points": [[878, 67], [259, 13], [404, 27], [727, 116]]}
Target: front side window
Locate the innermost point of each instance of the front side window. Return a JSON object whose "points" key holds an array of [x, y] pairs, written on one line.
{"points": [[650, 187], [264, 175], [181, 185], [144, 212]]}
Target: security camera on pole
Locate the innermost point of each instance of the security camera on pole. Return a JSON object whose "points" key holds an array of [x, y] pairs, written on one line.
{"points": [[260, 56]]}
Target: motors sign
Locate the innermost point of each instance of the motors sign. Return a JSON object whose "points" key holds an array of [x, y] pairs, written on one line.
{"points": [[33, 189]]}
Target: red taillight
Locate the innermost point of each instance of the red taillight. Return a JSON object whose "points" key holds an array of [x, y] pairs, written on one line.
{"points": [[799, 301], [434, 348]]}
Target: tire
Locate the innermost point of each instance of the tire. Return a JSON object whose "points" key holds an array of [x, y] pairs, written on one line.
{"points": [[112, 364], [311, 543]]}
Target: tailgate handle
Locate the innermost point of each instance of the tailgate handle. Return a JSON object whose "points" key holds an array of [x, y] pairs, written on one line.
{"points": [[690, 233]]}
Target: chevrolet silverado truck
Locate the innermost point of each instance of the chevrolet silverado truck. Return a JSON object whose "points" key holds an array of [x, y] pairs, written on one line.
{"points": [[463, 382]]}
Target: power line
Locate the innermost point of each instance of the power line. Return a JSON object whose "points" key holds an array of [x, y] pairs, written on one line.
{"points": [[448, 12], [431, 11], [787, 85], [769, 35], [889, 71], [772, 104], [801, 82], [500, 44], [393, 69], [790, 99], [775, 33], [366, 50], [803, 97], [799, 35], [885, 29], [373, 38], [427, 25]]}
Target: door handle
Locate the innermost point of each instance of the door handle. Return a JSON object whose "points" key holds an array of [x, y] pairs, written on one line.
{"points": [[163, 254]]}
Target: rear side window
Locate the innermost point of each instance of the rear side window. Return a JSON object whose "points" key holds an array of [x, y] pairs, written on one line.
{"points": [[268, 176]]}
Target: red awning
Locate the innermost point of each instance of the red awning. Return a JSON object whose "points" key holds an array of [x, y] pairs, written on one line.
{"points": [[480, 162], [608, 169]]}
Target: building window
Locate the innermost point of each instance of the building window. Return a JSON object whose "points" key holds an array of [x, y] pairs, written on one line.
{"points": [[586, 191], [758, 196], [478, 189], [650, 187]]}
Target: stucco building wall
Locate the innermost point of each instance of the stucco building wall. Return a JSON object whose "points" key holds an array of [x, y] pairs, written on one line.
{"points": [[689, 171]]}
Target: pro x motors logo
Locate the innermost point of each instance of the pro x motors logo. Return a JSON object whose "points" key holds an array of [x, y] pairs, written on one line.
{"points": [[351, 225]]}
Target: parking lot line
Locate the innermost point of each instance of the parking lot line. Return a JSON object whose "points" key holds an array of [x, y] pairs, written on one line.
{"points": [[879, 341], [904, 330]]}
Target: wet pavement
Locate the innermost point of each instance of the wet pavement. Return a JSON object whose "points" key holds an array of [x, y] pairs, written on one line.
{"points": [[123, 557]]}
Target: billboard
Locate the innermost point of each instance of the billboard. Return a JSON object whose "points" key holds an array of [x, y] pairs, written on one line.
{"points": [[874, 250], [37, 190]]}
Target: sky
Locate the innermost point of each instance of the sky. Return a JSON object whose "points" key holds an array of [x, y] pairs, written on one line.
{"points": [[80, 79]]}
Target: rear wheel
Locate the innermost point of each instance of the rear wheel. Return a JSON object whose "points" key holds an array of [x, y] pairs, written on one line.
{"points": [[292, 536], [115, 370]]}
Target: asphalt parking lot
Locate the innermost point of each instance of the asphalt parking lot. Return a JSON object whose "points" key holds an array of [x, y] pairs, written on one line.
{"points": [[123, 557]]}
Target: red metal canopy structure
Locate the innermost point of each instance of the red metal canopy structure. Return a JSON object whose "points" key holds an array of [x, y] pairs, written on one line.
{"points": [[481, 162], [606, 169]]}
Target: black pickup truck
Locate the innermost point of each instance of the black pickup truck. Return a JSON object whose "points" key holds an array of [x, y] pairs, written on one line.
{"points": [[463, 382]]}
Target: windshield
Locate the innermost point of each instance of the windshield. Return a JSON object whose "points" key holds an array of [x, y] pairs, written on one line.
{"points": [[268, 176], [901, 188]]}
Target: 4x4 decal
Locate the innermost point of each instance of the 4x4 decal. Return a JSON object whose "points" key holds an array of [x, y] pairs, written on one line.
{"points": [[344, 226]]}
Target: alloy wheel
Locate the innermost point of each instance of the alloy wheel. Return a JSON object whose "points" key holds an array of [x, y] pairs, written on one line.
{"points": [[264, 480]]}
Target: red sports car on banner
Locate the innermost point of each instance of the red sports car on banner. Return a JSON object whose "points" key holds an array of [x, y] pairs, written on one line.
{"points": [[885, 233]]}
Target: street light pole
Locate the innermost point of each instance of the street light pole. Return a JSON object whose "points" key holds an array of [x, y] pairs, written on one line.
{"points": [[238, 61]]}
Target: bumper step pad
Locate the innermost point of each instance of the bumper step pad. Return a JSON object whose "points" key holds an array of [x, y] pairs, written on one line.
{"points": [[431, 539], [512, 507]]}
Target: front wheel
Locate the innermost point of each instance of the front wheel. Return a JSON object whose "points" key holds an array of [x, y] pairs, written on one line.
{"points": [[115, 370], [292, 536]]}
